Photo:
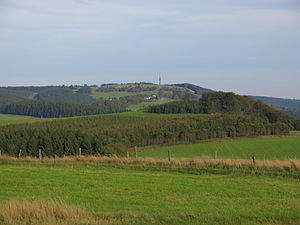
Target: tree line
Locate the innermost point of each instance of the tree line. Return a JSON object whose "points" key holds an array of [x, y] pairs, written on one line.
{"points": [[54, 109], [116, 134]]}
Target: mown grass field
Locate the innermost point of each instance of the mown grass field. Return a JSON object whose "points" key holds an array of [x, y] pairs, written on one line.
{"points": [[118, 94], [263, 147], [139, 106], [146, 196], [9, 119], [145, 114]]}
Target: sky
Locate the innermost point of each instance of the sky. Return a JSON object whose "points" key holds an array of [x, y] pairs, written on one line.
{"points": [[251, 47]]}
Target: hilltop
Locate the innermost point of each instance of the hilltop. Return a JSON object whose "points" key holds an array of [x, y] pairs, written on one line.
{"points": [[89, 94]]}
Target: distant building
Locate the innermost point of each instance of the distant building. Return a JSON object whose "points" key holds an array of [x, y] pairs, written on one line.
{"points": [[152, 97]]}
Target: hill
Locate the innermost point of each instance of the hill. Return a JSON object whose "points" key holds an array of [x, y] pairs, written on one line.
{"points": [[197, 89], [132, 95], [282, 102]]}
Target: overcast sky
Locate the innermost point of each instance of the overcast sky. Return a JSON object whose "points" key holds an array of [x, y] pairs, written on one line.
{"points": [[245, 46]]}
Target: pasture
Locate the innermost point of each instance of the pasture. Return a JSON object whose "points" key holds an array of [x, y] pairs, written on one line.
{"points": [[140, 106], [10, 119], [118, 94], [114, 195], [263, 147]]}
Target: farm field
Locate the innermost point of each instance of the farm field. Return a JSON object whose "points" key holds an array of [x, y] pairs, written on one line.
{"points": [[145, 196], [263, 147], [145, 114], [139, 106], [9, 119], [117, 94]]}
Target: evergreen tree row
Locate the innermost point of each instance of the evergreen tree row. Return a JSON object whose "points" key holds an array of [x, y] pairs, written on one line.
{"points": [[113, 134], [52, 109]]}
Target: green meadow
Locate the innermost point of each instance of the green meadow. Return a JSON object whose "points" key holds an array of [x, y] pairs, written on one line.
{"points": [[263, 147], [140, 106], [118, 94], [9, 119], [145, 196]]}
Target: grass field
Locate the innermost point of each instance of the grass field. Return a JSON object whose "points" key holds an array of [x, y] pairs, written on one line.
{"points": [[139, 106], [145, 114], [9, 119], [145, 196], [118, 94], [12, 119], [263, 147]]}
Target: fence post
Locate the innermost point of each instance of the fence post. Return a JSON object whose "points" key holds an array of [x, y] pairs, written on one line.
{"points": [[0, 153], [40, 154], [136, 152], [169, 156], [128, 156], [216, 154], [20, 153], [79, 152], [253, 158]]}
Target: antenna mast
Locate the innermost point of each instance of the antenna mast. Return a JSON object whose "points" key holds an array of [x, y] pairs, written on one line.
{"points": [[159, 79]]}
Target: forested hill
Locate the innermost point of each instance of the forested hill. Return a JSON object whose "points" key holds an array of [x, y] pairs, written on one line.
{"points": [[53, 109], [221, 102], [138, 92], [282, 102]]}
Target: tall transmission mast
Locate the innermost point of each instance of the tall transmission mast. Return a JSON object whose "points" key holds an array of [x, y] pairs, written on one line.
{"points": [[159, 79]]}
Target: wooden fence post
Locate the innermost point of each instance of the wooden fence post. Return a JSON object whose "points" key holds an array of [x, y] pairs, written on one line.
{"points": [[128, 156], [20, 153], [169, 156], [40, 154], [0, 153], [253, 158], [216, 154], [79, 152], [136, 152]]}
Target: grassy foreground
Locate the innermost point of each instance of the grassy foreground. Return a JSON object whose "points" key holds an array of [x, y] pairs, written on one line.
{"points": [[120, 193], [263, 147]]}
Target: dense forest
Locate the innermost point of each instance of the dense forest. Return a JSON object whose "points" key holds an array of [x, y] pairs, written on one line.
{"points": [[53, 109], [221, 102], [112, 134]]}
